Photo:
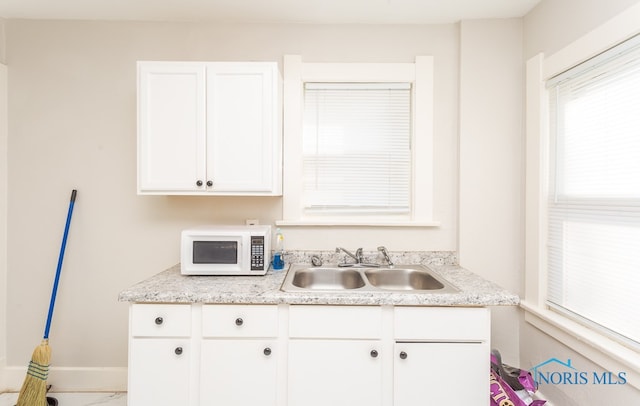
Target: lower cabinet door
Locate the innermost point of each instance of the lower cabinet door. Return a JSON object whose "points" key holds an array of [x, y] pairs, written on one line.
{"points": [[334, 373], [436, 374], [159, 372], [238, 373]]}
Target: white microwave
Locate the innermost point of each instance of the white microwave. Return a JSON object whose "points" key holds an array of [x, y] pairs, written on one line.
{"points": [[225, 250]]}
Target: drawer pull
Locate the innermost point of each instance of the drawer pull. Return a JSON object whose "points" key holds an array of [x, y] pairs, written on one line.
{"points": [[159, 320], [239, 321], [267, 351], [374, 353], [178, 351], [403, 355]]}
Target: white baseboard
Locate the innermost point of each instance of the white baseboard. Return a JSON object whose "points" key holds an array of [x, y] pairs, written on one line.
{"points": [[70, 379]]}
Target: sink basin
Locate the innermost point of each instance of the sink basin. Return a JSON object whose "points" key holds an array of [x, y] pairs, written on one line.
{"points": [[401, 278], [327, 279]]}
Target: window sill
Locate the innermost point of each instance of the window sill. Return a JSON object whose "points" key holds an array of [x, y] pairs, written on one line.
{"points": [[607, 353], [353, 223]]}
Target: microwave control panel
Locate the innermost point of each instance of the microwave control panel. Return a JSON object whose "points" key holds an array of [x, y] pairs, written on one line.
{"points": [[257, 253]]}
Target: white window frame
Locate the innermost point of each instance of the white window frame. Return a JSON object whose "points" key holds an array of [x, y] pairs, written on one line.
{"points": [[599, 348], [419, 74]]}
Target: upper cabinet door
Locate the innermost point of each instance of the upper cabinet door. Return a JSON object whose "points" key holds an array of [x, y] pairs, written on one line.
{"points": [[208, 128], [241, 132], [171, 127]]}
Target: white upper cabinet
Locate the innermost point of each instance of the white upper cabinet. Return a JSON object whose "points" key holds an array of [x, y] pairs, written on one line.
{"points": [[171, 127], [208, 128]]}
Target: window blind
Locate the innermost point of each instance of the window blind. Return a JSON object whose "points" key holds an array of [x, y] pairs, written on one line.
{"points": [[357, 148], [594, 196]]}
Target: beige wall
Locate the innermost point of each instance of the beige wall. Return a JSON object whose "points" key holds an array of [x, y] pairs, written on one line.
{"points": [[3, 206], [3, 220], [73, 124], [2, 42], [554, 24], [551, 26], [491, 233]]}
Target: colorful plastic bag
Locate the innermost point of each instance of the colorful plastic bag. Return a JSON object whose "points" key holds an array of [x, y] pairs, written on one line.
{"points": [[502, 394], [511, 386]]}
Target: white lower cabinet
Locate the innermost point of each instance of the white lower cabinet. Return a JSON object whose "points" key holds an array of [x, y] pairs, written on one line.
{"points": [[307, 355], [435, 374], [238, 372], [334, 372], [239, 355], [334, 356], [161, 372], [441, 356], [160, 355]]}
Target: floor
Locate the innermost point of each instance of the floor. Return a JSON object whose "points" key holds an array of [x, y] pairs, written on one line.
{"points": [[75, 399]]}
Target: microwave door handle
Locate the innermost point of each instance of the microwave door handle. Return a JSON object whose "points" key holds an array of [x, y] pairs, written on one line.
{"points": [[243, 252]]}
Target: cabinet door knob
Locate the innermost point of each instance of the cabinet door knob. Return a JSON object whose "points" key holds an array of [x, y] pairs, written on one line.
{"points": [[239, 321], [159, 320], [178, 350], [374, 353], [209, 183], [267, 351], [403, 355], [198, 183]]}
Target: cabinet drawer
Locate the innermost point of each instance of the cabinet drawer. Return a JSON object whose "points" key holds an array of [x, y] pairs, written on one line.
{"points": [[239, 321], [151, 320], [335, 321], [442, 323]]}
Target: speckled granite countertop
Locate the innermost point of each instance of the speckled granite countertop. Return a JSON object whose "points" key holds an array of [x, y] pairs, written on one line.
{"points": [[172, 287]]}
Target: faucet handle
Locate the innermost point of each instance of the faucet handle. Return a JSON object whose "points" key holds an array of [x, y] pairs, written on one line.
{"points": [[316, 260]]}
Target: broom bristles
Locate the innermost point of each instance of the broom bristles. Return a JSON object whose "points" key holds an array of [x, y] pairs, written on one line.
{"points": [[34, 388]]}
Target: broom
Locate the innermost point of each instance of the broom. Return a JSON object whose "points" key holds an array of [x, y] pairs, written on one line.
{"points": [[34, 388]]}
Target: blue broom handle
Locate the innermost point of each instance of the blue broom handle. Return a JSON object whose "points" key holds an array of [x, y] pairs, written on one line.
{"points": [[59, 268]]}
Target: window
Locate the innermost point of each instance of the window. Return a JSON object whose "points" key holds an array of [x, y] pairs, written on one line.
{"points": [[357, 148], [594, 193], [358, 143]]}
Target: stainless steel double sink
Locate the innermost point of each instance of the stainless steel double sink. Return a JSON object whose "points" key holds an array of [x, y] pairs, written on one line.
{"points": [[405, 278]]}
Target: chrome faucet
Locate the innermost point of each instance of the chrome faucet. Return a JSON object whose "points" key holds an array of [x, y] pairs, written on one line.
{"points": [[384, 252], [357, 257]]}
